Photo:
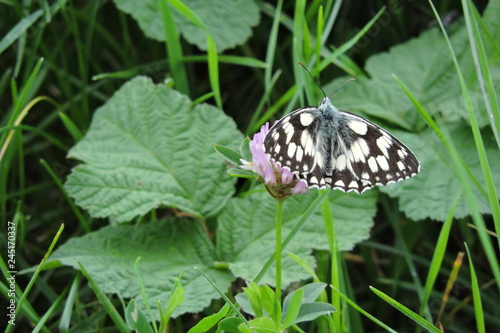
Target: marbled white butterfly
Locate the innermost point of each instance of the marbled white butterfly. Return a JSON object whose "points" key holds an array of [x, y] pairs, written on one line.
{"points": [[331, 148]]}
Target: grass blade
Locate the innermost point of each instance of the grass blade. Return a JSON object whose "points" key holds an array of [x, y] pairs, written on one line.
{"points": [[213, 62], [438, 256], [476, 295], [406, 311], [19, 29], [174, 48], [482, 65], [483, 159], [366, 314], [121, 325]]}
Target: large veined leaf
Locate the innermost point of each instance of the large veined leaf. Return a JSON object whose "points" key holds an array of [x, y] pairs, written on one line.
{"points": [[425, 66], [168, 249], [148, 147], [229, 22], [246, 230]]}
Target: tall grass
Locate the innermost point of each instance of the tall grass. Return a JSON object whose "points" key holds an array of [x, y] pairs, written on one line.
{"points": [[61, 61]]}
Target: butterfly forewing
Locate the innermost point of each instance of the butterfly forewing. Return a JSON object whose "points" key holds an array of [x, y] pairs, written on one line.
{"points": [[331, 148], [292, 143]]}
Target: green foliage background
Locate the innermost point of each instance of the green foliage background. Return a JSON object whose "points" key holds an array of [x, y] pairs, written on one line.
{"points": [[114, 132]]}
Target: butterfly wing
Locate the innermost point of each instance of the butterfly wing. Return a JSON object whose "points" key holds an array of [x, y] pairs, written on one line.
{"points": [[361, 155], [367, 155], [292, 142]]}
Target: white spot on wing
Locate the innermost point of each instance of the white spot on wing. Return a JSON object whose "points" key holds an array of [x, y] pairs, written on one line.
{"points": [[341, 162], [353, 185], [299, 153], [339, 183], [320, 161], [291, 149], [382, 162], [288, 131], [372, 163], [401, 165], [306, 119], [357, 152], [358, 126], [307, 144], [383, 143], [401, 153], [364, 147]]}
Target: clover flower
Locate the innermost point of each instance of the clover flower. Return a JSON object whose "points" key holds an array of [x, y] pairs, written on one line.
{"points": [[280, 182]]}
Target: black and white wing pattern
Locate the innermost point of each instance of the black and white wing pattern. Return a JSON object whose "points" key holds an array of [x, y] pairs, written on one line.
{"points": [[331, 148]]}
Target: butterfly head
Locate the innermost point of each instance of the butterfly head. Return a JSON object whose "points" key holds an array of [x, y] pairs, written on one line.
{"points": [[326, 105]]}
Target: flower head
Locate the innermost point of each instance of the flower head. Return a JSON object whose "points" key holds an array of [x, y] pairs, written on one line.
{"points": [[279, 181]]}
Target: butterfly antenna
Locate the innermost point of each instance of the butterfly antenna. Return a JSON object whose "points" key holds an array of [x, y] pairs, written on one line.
{"points": [[312, 77], [346, 82]]}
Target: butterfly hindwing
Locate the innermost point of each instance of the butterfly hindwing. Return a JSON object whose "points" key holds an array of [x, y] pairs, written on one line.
{"points": [[372, 157]]}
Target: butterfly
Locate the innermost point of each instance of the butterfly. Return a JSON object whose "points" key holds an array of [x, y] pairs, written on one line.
{"points": [[330, 148]]}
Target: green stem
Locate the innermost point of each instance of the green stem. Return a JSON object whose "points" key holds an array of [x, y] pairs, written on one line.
{"points": [[279, 215], [334, 255]]}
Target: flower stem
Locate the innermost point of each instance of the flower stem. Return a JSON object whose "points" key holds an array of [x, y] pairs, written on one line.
{"points": [[335, 260], [279, 211]]}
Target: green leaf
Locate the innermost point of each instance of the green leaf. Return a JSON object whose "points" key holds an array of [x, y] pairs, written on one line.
{"points": [[249, 307], [229, 23], [294, 307], [147, 147], [176, 298], [251, 300], [245, 237], [245, 149], [437, 178], [260, 325], [271, 303], [235, 172], [231, 324], [208, 322], [311, 311], [425, 66], [167, 248], [136, 319], [311, 293], [230, 155]]}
